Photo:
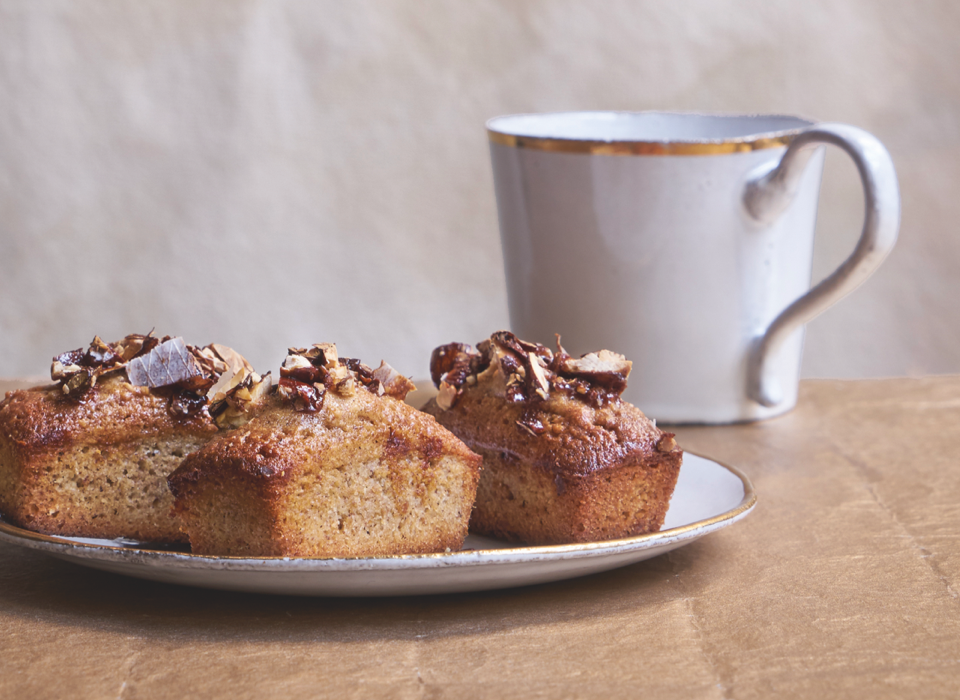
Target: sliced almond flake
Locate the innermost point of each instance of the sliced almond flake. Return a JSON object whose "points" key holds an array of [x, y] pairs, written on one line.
{"points": [[228, 380], [394, 383], [602, 362], [540, 383], [260, 386], [235, 361], [385, 373], [59, 370], [254, 390], [213, 360], [292, 362]]}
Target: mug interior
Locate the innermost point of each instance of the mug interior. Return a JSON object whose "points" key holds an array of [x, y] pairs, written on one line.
{"points": [[646, 127]]}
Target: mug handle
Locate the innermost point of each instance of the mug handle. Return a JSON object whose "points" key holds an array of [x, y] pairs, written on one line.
{"points": [[770, 189]]}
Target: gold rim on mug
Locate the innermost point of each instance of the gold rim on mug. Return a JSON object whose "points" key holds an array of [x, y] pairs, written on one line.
{"points": [[738, 144]]}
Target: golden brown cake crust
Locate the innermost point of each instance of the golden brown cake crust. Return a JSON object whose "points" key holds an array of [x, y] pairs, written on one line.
{"points": [[55, 451], [277, 445], [565, 459], [42, 417], [577, 439], [355, 474], [89, 456], [594, 474]]}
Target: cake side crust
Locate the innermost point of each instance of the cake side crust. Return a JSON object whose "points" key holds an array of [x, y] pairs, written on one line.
{"points": [[364, 476], [521, 502], [575, 440], [95, 467], [565, 458]]}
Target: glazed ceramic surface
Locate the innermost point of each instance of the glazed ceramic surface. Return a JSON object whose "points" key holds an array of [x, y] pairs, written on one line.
{"points": [[681, 241], [709, 496]]}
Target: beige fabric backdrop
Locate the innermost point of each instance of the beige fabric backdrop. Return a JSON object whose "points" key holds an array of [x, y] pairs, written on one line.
{"points": [[264, 174]]}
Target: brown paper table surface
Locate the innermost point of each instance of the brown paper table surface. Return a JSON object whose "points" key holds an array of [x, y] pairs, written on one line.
{"points": [[843, 583]]}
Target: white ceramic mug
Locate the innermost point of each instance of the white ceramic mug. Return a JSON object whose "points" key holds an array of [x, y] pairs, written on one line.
{"points": [[683, 241]]}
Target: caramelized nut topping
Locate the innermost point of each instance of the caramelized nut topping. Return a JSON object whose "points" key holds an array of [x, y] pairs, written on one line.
{"points": [[215, 378], [604, 368], [136, 344], [530, 371], [531, 423], [328, 355], [231, 407], [346, 387], [394, 383], [321, 366], [307, 398]]}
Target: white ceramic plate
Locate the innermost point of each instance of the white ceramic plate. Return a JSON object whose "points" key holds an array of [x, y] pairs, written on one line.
{"points": [[708, 496]]}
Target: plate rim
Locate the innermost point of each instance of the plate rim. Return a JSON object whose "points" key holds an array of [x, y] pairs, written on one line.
{"points": [[64, 545]]}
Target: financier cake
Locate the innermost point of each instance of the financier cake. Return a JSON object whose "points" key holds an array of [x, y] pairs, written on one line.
{"points": [[565, 459], [335, 465], [89, 456]]}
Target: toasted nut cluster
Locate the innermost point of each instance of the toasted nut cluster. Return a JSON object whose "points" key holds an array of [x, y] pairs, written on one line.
{"points": [[77, 371], [237, 390], [532, 371], [214, 378], [308, 373]]}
